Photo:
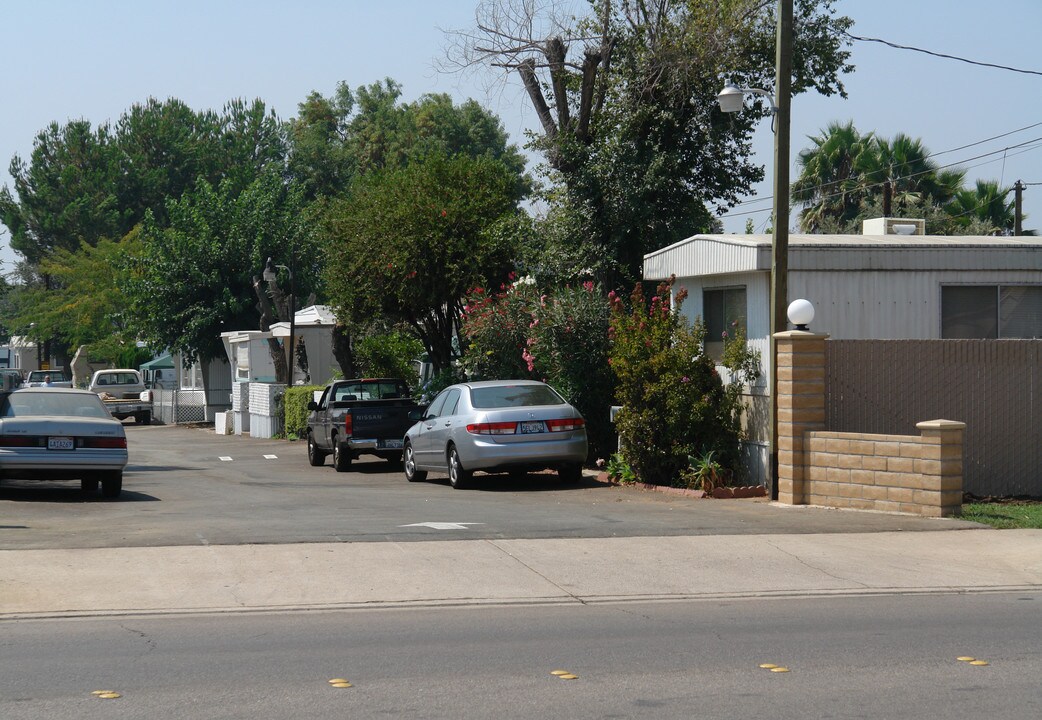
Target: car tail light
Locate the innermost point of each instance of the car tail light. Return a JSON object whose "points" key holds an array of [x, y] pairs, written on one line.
{"points": [[348, 425], [19, 441], [565, 424], [104, 442], [494, 428]]}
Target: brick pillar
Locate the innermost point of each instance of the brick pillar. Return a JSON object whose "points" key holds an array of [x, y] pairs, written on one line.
{"points": [[801, 406], [940, 465]]}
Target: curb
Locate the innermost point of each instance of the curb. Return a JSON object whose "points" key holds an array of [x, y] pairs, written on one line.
{"points": [[721, 493]]}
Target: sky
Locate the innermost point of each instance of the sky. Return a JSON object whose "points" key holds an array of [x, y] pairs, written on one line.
{"points": [[94, 59]]}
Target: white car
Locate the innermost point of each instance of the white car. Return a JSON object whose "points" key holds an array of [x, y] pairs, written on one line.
{"points": [[496, 426], [61, 434]]}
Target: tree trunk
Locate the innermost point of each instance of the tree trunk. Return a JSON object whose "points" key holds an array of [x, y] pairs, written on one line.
{"points": [[342, 351]]}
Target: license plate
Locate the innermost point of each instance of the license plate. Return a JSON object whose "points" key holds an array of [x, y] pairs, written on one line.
{"points": [[391, 444], [531, 426], [60, 443]]}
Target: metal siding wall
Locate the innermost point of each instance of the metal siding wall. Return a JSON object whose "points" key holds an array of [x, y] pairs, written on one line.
{"points": [[887, 386], [886, 305]]}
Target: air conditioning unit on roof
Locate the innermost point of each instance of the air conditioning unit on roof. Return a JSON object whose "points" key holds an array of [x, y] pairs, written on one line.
{"points": [[893, 226]]}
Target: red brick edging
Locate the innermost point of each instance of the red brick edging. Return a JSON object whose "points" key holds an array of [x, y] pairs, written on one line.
{"points": [[747, 491]]}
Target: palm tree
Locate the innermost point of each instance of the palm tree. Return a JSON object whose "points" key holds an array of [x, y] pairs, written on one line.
{"points": [[830, 183], [987, 203]]}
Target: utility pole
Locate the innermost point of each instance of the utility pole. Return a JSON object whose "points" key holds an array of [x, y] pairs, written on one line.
{"points": [[780, 245], [1018, 208]]}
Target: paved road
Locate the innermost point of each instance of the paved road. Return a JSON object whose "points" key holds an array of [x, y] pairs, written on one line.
{"points": [[189, 486], [878, 657]]}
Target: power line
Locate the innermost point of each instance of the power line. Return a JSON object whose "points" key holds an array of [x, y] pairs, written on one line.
{"points": [[941, 55]]}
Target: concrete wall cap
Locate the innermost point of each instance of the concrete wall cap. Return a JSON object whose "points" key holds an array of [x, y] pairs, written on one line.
{"points": [[941, 425], [800, 335]]}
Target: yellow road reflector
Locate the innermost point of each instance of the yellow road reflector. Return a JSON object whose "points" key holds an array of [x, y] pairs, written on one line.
{"points": [[102, 692], [978, 662], [965, 658], [560, 672], [344, 684], [336, 680], [768, 666], [568, 676], [779, 669], [109, 695]]}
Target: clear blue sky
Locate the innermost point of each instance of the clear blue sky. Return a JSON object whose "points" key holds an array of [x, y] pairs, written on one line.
{"points": [[67, 59]]}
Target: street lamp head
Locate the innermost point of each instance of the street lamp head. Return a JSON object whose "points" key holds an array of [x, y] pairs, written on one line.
{"points": [[731, 98], [269, 273], [801, 313]]}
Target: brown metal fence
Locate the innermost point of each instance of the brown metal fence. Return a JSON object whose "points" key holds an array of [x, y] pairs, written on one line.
{"points": [[887, 386]]}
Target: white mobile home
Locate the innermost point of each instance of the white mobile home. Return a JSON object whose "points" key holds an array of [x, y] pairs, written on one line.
{"points": [[862, 287]]}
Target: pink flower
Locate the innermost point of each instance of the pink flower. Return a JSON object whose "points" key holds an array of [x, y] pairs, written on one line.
{"points": [[588, 285]]}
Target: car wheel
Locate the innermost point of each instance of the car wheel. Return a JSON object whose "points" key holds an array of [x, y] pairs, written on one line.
{"points": [[112, 484], [315, 456], [341, 457], [144, 418], [409, 461], [89, 486], [459, 478], [570, 473]]}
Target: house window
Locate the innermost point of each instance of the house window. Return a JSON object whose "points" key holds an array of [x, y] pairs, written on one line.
{"points": [[723, 310], [991, 311]]}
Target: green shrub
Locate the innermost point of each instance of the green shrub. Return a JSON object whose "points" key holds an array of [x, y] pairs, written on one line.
{"points": [[389, 355], [559, 337], [295, 407], [674, 403]]}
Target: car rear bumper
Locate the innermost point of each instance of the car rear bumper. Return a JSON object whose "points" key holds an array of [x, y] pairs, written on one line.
{"points": [[40, 463], [477, 453]]}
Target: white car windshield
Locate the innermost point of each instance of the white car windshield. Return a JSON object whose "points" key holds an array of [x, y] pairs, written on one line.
{"points": [[503, 396], [28, 404]]}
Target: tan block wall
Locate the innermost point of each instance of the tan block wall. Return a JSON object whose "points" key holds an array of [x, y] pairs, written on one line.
{"points": [[897, 473], [894, 473]]}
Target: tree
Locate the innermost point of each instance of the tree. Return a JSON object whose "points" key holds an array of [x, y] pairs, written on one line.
{"points": [[194, 279], [986, 209], [630, 130], [830, 185], [369, 129], [410, 242]]}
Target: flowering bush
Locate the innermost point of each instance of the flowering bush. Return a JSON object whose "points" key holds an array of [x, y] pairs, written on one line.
{"points": [[674, 403], [559, 337]]}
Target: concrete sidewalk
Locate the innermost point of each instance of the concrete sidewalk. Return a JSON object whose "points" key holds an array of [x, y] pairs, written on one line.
{"points": [[69, 583]]}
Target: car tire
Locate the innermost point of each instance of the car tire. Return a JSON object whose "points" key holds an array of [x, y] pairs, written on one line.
{"points": [[459, 477], [89, 486], [112, 485], [409, 463], [570, 473], [316, 457], [341, 457]]}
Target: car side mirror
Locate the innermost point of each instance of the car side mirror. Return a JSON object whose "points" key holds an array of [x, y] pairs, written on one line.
{"points": [[312, 406]]}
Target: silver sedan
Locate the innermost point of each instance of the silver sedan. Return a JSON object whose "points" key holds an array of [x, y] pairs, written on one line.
{"points": [[61, 434], [496, 426]]}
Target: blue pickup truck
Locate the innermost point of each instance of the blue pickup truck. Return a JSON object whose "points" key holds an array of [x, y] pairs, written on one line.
{"points": [[359, 416]]}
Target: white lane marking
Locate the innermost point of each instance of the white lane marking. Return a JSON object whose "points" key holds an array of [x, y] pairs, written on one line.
{"points": [[224, 458], [443, 525], [271, 457]]}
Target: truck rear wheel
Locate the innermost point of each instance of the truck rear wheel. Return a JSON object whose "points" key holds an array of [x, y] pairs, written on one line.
{"points": [[341, 457]]}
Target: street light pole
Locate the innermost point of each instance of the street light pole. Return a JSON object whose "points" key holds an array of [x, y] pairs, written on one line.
{"points": [[731, 99], [780, 240]]}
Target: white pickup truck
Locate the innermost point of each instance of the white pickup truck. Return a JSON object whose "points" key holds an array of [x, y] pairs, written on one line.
{"points": [[38, 378], [124, 394]]}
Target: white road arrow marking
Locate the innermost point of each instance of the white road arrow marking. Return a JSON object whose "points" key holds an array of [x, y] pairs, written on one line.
{"points": [[442, 525]]}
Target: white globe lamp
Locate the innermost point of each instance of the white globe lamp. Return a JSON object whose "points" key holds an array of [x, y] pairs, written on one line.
{"points": [[801, 313]]}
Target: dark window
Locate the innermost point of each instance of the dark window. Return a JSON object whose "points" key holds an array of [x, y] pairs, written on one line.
{"points": [[991, 311], [723, 311]]}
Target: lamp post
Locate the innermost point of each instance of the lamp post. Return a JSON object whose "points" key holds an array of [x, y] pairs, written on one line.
{"points": [[269, 275], [731, 99]]}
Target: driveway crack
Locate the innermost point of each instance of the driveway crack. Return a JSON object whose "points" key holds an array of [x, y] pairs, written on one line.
{"points": [[531, 569], [803, 562]]}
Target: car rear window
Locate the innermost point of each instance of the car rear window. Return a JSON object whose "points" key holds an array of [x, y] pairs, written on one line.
{"points": [[370, 390], [504, 396], [28, 404]]}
